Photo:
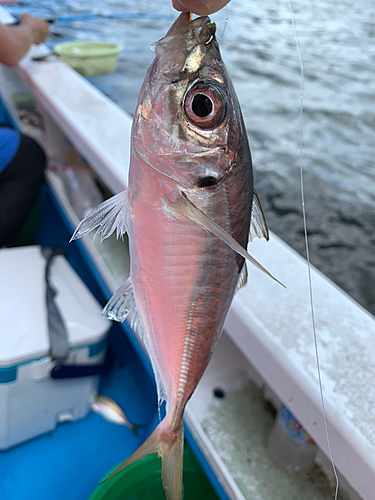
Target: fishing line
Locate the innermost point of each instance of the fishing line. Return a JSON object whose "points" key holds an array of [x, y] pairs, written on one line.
{"points": [[308, 252], [226, 22]]}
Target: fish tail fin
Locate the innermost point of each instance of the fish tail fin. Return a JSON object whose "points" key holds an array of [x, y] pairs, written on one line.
{"points": [[171, 465], [169, 446], [151, 445]]}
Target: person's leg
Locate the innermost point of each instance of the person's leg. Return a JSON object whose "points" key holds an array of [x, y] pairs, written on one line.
{"points": [[19, 187]]}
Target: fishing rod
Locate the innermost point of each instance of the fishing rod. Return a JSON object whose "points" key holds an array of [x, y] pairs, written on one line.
{"points": [[91, 17]]}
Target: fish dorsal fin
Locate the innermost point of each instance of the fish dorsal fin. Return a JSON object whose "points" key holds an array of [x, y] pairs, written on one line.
{"points": [[187, 208], [122, 306], [111, 215], [258, 225], [242, 280]]}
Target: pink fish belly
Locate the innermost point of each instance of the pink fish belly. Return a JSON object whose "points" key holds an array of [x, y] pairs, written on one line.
{"points": [[184, 280]]}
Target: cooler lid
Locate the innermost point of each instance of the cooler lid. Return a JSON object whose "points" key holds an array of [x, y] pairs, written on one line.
{"points": [[23, 313]]}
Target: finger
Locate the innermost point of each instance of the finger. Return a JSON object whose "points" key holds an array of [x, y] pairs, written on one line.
{"points": [[199, 7]]}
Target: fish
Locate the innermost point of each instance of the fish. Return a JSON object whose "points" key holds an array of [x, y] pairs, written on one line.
{"points": [[111, 411], [189, 211]]}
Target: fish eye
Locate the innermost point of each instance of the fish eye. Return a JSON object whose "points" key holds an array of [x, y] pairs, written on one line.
{"points": [[201, 105], [204, 106]]}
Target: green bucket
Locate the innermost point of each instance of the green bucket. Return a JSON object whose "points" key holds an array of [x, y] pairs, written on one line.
{"points": [[90, 58], [142, 481]]}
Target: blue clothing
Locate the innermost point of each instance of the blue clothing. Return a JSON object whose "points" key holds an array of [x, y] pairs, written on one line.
{"points": [[9, 144]]}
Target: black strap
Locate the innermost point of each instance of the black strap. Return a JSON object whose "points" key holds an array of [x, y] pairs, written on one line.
{"points": [[58, 335]]}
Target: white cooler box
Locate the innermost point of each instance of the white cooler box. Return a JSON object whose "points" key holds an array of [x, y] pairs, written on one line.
{"points": [[31, 402]]}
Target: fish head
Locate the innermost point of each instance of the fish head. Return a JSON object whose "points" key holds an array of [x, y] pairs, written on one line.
{"points": [[188, 124]]}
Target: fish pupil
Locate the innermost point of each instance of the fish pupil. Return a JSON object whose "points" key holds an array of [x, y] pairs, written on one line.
{"points": [[201, 105], [207, 182]]}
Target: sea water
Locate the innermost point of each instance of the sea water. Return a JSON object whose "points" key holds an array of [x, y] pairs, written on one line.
{"points": [[337, 40]]}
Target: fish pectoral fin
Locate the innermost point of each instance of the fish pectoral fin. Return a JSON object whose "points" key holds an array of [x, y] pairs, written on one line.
{"points": [[258, 225], [111, 215], [122, 306], [187, 208]]}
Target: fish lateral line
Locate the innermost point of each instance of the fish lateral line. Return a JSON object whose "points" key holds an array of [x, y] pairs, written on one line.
{"points": [[192, 212]]}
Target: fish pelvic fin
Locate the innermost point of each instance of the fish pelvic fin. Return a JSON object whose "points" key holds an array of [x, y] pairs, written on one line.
{"points": [[121, 303], [258, 225], [192, 212], [242, 280], [169, 446], [111, 215]]}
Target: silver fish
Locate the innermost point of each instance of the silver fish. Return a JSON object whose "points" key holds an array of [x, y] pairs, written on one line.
{"points": [[112, 412]]}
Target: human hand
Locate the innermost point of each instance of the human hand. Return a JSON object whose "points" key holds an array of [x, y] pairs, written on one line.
{"points": [[199, 7], [38, 27]]}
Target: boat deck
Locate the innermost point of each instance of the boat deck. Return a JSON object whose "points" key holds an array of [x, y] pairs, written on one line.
{"points": [[70, 461]]}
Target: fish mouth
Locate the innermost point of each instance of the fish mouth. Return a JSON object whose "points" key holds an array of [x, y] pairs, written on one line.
{"points": [[201, 28], [185, 34], [204, 30]]}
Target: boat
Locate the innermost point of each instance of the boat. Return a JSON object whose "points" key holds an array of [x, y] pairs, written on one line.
{"points": [[265, 353]]}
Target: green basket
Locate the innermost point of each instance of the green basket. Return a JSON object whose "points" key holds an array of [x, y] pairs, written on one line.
{"points": [[142, 481], [90, 58]]}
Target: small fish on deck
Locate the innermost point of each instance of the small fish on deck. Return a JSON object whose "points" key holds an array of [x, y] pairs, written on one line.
{"points": [[112, 412], [189, 211]]}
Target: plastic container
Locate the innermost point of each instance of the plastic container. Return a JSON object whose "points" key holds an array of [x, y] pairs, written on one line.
{"points": [[290, 447], [32, 403], [142, 481], [90, 58]]}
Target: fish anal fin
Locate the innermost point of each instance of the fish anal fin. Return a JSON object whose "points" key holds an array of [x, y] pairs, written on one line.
{"points": [[189, 210], [258, 225], [122, 306], [111, 215]]}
